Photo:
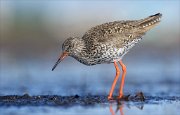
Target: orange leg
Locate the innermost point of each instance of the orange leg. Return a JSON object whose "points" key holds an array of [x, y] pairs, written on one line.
{"points": [[115, 80], [122, 79]]}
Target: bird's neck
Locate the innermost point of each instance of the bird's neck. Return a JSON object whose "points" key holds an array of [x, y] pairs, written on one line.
{"points": [[80, 52]]}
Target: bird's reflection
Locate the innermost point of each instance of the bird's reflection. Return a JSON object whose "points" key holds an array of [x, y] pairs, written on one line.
{"points": [[120, 105]]}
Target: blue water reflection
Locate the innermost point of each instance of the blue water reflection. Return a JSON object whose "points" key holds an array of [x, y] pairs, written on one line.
{"points": [[124, 108]]}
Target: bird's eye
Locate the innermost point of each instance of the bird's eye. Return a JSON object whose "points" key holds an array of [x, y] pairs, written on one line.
{"points": [[63, 47]]}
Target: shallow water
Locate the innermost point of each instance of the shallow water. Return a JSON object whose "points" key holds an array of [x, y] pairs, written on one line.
{"points": [[164, 107], [162, 98], [161, 104]]}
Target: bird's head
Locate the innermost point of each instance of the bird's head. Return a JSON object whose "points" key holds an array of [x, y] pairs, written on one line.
{"points": [[70, 47]]}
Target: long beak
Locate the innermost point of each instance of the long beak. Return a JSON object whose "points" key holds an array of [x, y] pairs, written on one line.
{"points": [[63, 55]]}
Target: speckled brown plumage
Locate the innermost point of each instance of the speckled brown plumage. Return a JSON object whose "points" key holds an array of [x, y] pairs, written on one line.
{"points": [[108, 42]]}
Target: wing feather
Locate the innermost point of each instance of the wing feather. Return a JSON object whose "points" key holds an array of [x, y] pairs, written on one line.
{"points": [[118, 33]]}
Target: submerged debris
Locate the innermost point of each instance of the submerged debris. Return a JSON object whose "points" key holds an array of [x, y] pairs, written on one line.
{"points": [[140, 96]]}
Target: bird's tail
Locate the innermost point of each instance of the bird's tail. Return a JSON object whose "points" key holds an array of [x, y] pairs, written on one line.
{"points": [[150, 21]]}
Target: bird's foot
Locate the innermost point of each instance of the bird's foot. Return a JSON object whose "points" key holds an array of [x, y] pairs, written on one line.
{"points": [[123, 97], [119, 98], [110, 98]]}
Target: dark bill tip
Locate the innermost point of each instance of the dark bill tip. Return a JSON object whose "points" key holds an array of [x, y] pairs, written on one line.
{"points": [[59, 60]]}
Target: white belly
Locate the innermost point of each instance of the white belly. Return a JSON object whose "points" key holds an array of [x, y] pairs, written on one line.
{"points": [[122, 51]]}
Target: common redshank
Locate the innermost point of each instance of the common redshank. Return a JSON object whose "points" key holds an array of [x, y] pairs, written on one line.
{"points": [[108, 43]]}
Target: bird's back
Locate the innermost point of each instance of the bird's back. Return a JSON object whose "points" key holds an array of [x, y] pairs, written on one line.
{"points": [[120, 31]]}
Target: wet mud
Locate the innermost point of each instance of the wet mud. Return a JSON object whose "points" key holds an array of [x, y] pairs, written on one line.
{"points": [[56, 100]]}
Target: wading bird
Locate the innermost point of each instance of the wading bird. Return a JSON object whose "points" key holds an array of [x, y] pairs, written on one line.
{"points": [[108, 43]]}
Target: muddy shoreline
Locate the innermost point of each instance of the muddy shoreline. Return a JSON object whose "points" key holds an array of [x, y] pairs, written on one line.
{"points": [[89, 100]]}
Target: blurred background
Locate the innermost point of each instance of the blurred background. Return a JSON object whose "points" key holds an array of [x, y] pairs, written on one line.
{"points": [[32, 32]]}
